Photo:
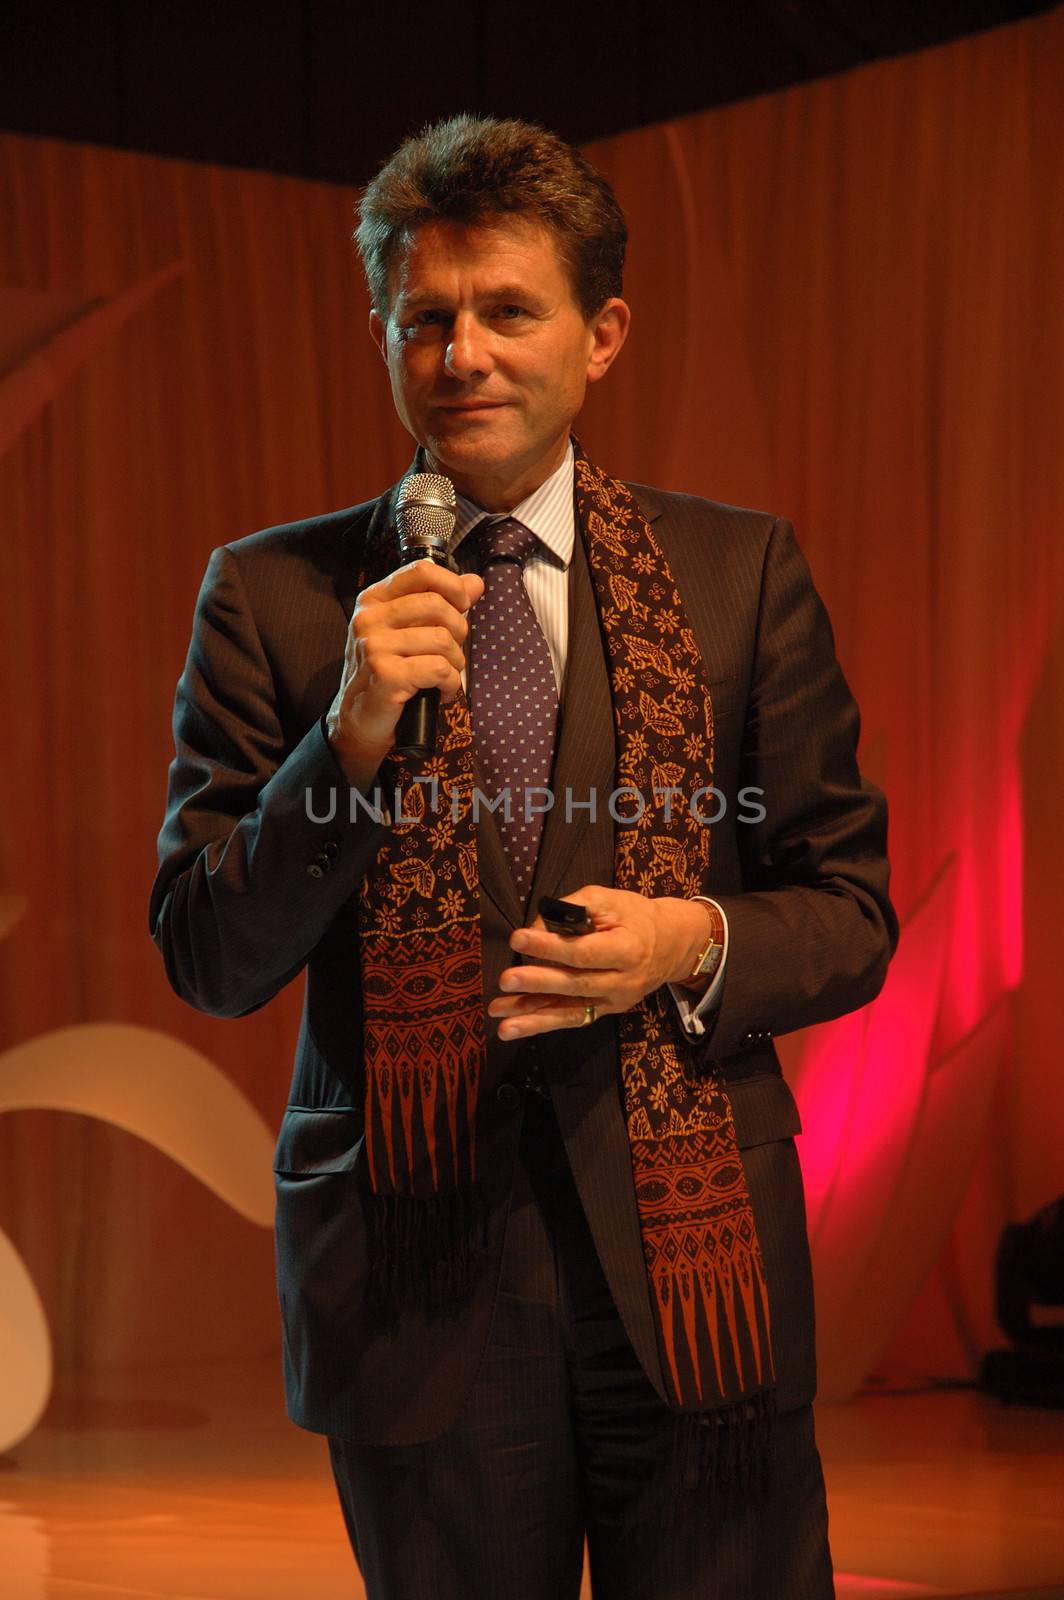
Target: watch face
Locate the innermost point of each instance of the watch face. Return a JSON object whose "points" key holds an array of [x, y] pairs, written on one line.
{"points": [[710, 961]]}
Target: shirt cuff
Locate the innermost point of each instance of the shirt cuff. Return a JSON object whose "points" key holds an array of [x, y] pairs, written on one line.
{"points": [[693, 1013]]}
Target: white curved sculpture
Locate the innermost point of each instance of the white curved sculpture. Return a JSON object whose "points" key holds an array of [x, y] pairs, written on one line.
{"points": [[25, 1349], [158, 1088], [152, 1086]]}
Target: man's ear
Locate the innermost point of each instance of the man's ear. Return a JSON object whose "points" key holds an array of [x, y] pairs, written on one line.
{"points": [[378, 332], [609, 329]]}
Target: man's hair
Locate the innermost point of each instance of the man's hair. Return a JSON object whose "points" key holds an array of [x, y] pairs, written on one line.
{"points": [[477, 169]]}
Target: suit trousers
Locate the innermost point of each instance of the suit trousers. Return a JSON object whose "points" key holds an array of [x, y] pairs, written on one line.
{"points": [[564, 1436]]}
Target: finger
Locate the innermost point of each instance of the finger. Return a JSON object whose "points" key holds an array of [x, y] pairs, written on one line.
{"points": [[545, 1020], [374, 697], [425, 577], [516, 1005], [609, 949], [555, 980], [474, 586], [425, 608], [391, 676], [407, 642]]}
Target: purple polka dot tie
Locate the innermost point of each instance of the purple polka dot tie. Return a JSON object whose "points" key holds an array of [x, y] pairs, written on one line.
{"points": [[513, 698]]}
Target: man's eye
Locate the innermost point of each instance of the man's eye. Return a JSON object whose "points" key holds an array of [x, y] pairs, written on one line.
{"points": [[511, 313], [421, 324], [421, 319]]}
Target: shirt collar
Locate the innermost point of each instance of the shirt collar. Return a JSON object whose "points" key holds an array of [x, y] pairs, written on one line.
{"points": [[548, 512]]}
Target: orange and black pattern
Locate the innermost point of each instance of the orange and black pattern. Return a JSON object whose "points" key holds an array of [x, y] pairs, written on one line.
{"points": [[699, 1238], [422, 982]]}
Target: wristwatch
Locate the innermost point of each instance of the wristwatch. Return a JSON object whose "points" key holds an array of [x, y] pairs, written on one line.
{"points": [[712, 953]]}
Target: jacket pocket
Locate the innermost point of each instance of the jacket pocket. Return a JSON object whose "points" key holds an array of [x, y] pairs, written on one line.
{"points": [[311, 1141], [724, 697], [764, 1109]]}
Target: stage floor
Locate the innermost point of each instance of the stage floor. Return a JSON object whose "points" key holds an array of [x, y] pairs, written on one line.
{"points": [[191, 1485]]}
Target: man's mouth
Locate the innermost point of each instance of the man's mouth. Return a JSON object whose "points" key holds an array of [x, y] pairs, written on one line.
{"points": [[462, 406]]}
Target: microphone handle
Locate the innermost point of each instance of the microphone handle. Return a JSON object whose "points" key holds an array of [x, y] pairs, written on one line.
{"points": [[415, 732]]}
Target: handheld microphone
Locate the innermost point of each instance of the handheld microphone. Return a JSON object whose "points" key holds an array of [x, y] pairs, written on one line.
{"points": [[425, 512]]}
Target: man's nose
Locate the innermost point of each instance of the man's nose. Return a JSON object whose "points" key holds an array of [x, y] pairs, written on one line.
{"points": [[468, 349]]}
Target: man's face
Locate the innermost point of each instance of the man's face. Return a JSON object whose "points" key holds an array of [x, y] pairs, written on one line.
{"points": [[489, 353]]}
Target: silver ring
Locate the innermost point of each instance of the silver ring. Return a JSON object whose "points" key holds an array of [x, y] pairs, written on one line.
{"points": [[590, 1013]]}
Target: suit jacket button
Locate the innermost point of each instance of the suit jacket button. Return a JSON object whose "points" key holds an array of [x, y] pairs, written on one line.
{"points": [[509, 1096], [315, 871]]}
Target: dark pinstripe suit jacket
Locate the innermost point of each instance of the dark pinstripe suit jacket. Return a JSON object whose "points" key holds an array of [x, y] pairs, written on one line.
{"points": [[251, 889]]}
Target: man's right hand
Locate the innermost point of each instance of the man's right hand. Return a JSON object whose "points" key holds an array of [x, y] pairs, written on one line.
{"points": [[407, 633]]}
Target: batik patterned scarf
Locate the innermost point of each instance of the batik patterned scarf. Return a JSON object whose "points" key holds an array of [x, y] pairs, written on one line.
{"points": [[424, 1006]]}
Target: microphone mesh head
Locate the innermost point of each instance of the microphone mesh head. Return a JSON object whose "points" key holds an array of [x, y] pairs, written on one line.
{"points": [[425, 512]]}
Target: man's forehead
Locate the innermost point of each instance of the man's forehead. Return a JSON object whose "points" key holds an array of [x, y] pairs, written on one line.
{"points": [[511, 250]]}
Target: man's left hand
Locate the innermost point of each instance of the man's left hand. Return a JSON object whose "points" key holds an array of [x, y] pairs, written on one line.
{"points": [[637, 944]]}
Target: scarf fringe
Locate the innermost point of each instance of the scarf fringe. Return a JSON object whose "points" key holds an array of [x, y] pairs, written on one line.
{"points": [[722, 1453], [425, 1251], [713, 1464]]}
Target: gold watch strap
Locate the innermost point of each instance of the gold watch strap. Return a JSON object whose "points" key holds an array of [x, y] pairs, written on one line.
{"points": [[711, 954]]}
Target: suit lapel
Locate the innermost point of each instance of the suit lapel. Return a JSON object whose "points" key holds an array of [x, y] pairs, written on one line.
{"points": [[496, 879], [585, 758], [361, 540]]}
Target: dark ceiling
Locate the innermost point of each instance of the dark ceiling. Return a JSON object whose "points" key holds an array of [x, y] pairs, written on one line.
{"points": [[326, 88]]}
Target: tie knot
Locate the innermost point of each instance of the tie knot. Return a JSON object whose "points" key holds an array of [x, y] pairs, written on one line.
{"points": [[505, 541]]}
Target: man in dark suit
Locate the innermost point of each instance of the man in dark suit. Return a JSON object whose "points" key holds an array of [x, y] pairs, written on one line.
{"points": [[498, 1380]]}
